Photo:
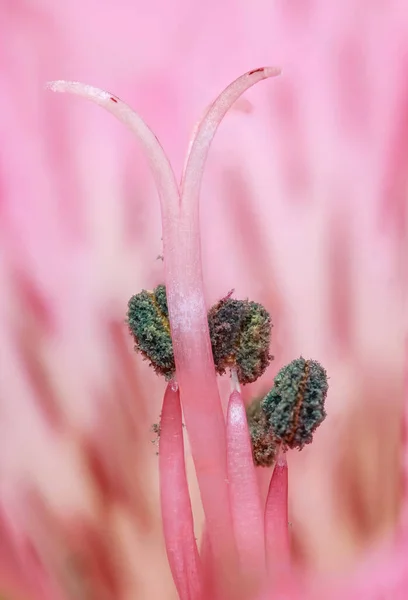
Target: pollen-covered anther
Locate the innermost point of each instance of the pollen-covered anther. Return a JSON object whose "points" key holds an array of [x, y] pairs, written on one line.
{"points": [[240, 333], [294, 407], [148, 321], [264, 445]]}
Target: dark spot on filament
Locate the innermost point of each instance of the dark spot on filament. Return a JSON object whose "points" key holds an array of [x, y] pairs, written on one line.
{"points": [[256, 71], [114, 99]]}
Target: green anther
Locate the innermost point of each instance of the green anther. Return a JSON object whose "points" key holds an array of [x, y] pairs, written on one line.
{"points": [[290, 413], [240, 333], [264, 445], [294, 407], [148, 321]]}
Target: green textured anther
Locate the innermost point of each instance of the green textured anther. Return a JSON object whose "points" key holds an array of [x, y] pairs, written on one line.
{"points": [[264, 445], [148, 321], [240, 333], [294, 407], [161, 299]]}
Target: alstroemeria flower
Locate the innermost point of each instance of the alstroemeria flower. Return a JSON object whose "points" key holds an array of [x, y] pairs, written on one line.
{"points": [[303, 208], [245, 548]]}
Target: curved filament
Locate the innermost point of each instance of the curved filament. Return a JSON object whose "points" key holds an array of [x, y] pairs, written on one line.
{"points": [[205, 131], [158, 161], [192, 345]]}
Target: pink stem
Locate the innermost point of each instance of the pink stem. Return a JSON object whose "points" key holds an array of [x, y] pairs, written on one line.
{"points": [[177, 515], [244, 494], [276, 520]]}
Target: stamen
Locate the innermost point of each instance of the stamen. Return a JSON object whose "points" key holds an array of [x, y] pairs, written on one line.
{"points": [[192, 345], [177, 515], [244, 493], [205, 131], [276, 520]]}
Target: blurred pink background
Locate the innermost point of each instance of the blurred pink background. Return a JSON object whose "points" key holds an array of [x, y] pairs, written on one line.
{"points": [[303, 208]]}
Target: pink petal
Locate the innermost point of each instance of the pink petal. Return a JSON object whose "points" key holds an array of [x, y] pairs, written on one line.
{"points": [[276, 519], [244, 494], [175, 501], [23, 574]]}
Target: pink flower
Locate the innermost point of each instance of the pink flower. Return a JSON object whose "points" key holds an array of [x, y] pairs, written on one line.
{"points": [[314, 227], [245, 546]]}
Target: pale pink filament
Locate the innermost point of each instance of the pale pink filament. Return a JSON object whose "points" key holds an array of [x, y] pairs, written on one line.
{"points": [[244, 494], [276, 520], [206, 129], [177, 515], [188, 315]]}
